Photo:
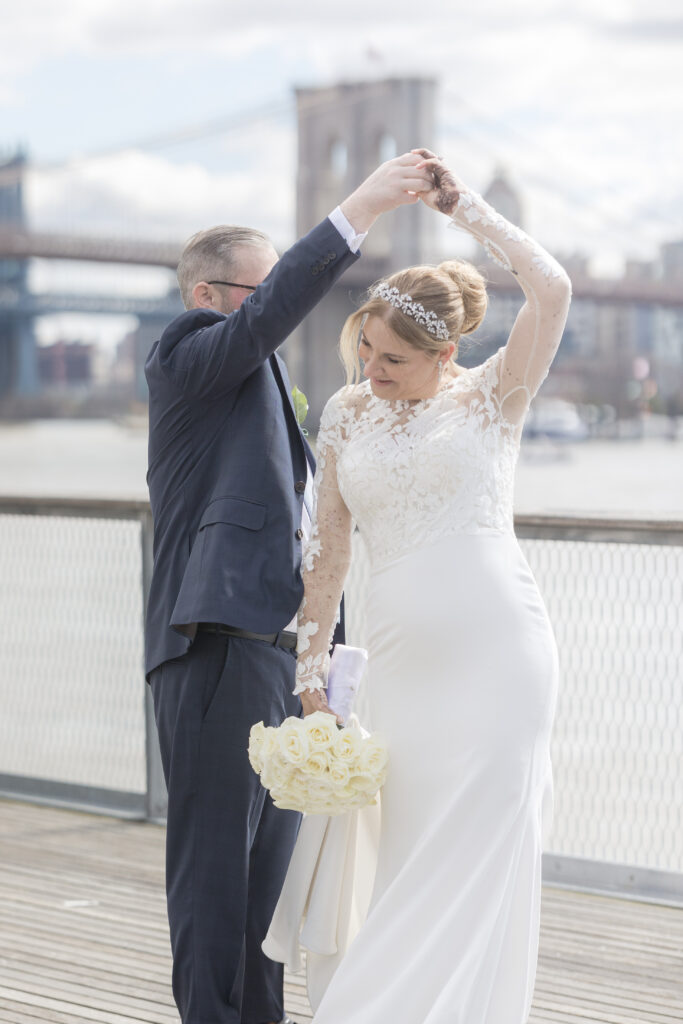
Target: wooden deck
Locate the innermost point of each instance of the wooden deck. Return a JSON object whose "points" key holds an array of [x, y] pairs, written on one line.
{"points": [[84, 938]]}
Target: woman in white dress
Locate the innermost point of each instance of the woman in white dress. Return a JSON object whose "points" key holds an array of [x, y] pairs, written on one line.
{"points": [[462, 671]]}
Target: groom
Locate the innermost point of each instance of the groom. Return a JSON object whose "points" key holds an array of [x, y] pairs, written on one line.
{"points": [[228, 479]]}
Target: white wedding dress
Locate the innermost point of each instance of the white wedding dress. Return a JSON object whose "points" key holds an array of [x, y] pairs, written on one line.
{"points": [[462, 672]]}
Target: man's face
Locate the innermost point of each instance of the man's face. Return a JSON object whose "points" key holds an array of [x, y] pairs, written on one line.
{"points": [[251, 267]]}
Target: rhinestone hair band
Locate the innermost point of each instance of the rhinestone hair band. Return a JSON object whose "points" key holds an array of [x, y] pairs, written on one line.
{"points": [[404, 302]]}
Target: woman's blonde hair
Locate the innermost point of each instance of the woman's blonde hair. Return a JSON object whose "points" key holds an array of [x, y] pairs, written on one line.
{"points": [[455, 291]]}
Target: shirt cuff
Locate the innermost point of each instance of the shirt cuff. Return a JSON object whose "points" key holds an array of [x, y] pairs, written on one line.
{"points": [[346, 230]]}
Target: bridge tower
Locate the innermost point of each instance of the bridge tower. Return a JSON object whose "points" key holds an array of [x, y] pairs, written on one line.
{"points": [[344, 132], [18, 363]]}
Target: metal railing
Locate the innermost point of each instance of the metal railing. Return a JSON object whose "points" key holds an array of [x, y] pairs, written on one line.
{"points": [[76, 721], [76, 724]]}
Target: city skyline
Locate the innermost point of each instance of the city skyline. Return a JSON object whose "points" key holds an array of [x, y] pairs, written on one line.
{"points": [[192, 113]]}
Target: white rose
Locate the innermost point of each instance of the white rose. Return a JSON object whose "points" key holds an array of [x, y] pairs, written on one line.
{"points": [[374, 756], [270, 743], [293, 741], [338, 775], [347, 746], [291, 796], [317, 764], [287, 802], [362, 782], [256, 737], [276, 773], [322, 730]]}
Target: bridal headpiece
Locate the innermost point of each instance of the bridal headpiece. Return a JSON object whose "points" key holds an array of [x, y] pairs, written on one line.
{"points": [[426, 318]]}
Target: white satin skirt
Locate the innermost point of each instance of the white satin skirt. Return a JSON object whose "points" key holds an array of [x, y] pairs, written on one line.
{"points": [[462, 681]]}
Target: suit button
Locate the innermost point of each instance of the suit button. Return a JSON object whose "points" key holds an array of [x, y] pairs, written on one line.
{"points": [[314, 270], [331, 255], [299, 534], [300, 487]]}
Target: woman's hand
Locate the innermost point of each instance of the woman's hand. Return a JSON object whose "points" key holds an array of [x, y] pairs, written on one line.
{"points": [[444, 196], [394, 183], [316, 700]]}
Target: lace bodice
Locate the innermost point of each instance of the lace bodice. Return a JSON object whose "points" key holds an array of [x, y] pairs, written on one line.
{"points": [[412, 473]]}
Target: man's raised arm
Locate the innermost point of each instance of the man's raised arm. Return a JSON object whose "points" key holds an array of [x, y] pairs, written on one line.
{"points": [[206, 354]]}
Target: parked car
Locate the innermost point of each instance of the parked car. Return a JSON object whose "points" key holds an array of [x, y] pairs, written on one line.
{"points": [[556, 419]]}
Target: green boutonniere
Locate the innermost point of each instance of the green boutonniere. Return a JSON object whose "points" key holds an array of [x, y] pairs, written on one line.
{"points": [[300, 405]]}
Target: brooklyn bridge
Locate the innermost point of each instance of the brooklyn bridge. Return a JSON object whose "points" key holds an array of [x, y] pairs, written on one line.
{"points": [[342, 133], [20, 306]]}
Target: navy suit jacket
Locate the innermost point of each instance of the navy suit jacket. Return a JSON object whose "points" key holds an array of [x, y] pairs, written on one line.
{"points": [[227, 459]]}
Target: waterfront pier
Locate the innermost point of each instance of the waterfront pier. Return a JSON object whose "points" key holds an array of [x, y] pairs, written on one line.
{"points": [[83, 930], [84, 937]]}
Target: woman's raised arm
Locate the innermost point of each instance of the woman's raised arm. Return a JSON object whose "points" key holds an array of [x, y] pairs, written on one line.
{"points": [[325, 564], [537, 331]]}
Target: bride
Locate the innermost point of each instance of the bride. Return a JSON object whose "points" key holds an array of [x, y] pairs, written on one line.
{"points": [[462, 660]]}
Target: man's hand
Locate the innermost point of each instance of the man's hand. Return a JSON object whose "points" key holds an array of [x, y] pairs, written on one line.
{"points": [[316, 700], [445, 187], [394, 183]]}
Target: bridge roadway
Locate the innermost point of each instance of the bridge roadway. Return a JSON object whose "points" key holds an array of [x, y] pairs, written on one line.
{"points": [[22, 245], [164, 307], [84, 935]]}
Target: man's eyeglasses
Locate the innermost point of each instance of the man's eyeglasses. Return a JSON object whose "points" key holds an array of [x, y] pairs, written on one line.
{"points": [[231, 284]]}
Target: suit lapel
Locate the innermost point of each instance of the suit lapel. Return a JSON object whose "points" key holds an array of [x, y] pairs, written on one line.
{"points": [[282, 378], [280, 373]]}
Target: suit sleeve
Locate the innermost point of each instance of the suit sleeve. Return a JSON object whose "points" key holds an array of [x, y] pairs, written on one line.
{"points": [[206, 354]]}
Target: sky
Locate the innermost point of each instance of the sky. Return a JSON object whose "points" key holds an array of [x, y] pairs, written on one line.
{"points": [[154, 119]]}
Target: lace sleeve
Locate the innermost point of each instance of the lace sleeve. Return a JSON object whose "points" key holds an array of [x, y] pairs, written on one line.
{"points": [[537, 331], [326, 558]]}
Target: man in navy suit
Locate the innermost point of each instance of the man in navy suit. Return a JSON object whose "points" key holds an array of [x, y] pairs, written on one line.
{"points": [[228, 475]]}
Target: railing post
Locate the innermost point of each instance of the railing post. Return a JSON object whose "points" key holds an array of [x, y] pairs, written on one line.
{"points": [[156, 802]]}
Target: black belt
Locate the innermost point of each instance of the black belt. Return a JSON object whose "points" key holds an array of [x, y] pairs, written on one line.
{"points": [[281, 639]]}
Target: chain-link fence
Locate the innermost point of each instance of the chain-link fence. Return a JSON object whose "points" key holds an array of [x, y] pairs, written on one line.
{"points": [[72, 715], [75, 724]]}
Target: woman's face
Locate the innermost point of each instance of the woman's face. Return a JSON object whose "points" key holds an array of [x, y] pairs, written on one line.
{"points": [[395, 369]]}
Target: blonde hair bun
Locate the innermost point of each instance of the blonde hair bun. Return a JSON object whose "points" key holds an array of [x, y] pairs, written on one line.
{"points": [[472, 287]]}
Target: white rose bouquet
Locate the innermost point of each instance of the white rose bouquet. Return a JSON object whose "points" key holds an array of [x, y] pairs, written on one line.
{"points": [[311, 765]]}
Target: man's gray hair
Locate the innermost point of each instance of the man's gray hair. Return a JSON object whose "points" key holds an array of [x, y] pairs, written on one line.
{"points": [[213, 255]]}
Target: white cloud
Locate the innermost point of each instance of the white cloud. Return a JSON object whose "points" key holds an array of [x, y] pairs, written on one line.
{"points": [[577, 104], [39, 28], [145, 195]]}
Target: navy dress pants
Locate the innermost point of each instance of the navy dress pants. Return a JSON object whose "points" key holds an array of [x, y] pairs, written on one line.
{"points": [[227, 846]]}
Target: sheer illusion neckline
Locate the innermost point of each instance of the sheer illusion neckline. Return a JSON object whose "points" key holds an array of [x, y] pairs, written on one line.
{"points": [[405, 404]]}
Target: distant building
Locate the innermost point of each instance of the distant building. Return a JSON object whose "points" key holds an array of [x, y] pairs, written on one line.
{"points": [[623, 343], [344, 132], [505, 198], [65, 364], [672, 261]]}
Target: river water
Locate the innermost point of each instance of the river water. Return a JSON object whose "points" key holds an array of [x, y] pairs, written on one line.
{"points": [[98, 458]]}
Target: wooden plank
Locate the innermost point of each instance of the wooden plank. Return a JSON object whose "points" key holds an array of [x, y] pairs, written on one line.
{"points": [[19, 1013], [106, 996], [77, 1011], [83, 919]]}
